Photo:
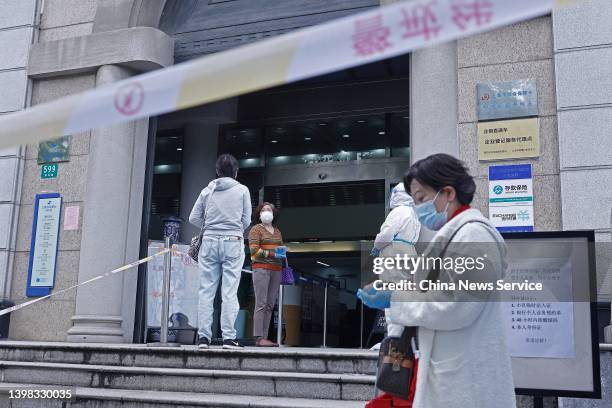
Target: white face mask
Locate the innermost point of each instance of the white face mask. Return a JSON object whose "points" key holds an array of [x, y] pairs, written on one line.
{"points": [[266, 217]]}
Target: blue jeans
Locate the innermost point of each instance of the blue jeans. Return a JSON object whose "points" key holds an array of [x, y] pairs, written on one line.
{"points": [[221, 257]]}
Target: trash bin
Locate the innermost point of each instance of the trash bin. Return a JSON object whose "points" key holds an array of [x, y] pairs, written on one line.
{"points": [[5, 320]]}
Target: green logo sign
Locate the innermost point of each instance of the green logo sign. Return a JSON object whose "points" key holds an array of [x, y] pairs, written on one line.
{"points": [[498, 189], [48, 171]]}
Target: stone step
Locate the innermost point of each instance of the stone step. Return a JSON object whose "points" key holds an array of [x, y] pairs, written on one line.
{"points": [[252, 383], [86, 397], [288, 359]]}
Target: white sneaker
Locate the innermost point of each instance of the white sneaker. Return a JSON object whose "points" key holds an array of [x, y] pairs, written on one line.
{"points": [[232, 345]]}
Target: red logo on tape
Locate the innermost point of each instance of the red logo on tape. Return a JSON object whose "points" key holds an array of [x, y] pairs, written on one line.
{"points": [[129, 99]]}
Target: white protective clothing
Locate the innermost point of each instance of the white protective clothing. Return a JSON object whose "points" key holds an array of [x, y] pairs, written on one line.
{"points": [[397, 236]]}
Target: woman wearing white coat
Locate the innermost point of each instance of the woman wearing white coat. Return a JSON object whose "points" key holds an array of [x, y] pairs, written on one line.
{"points": [[398, 236], [464, 360]]}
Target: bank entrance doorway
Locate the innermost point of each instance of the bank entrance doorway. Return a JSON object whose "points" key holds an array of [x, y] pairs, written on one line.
{"points": [[326, 153]]}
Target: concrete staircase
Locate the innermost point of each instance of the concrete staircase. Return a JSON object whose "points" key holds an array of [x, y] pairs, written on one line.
{"points": [[137, 376]]}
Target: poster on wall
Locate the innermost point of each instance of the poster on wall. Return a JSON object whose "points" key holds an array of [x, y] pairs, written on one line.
{"points": [[508, 139], [44, 244], [511, 198], [505, 100], [54, 150], [184, 285], [543, 325]]}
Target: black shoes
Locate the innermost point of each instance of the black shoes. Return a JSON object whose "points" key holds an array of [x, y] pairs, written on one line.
{"points": [[231, 344], [203, 343]]}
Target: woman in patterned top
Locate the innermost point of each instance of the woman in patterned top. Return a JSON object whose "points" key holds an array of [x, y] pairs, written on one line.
{"points": [[267, 257]]}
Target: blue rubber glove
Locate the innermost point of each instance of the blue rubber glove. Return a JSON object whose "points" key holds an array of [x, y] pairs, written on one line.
{"points": [[375, 252], [375, 299], [280, 252]]}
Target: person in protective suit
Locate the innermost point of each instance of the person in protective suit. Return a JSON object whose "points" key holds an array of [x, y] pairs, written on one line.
{"points": [[398, 236]]}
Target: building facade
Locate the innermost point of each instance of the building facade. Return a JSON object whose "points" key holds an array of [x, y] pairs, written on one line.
{"points": [[76, 45]]}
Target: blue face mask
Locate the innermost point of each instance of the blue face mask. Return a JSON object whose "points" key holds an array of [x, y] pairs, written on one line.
{"points": [[429, 216]]}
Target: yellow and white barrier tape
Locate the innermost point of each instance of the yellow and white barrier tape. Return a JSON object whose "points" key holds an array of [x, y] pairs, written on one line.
{"points": [[114, 271], [340, 44]]}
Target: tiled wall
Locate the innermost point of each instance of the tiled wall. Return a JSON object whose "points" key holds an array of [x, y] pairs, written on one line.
{"points": [[583, 64], [16, 34], [60, 19]]}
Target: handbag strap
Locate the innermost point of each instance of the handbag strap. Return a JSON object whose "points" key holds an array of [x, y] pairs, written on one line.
{"points": [[436, 273], [206, 208]]}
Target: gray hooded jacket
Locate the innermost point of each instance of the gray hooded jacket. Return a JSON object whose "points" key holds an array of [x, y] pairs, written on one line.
{"points": [[229, 208]]}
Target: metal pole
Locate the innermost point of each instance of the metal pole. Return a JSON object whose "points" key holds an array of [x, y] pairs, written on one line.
{"points": [[279, 329], [325, 316], [163, 338], [361, 327]]}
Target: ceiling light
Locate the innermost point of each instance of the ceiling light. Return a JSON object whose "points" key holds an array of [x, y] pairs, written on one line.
{"points": [[323, 263], [273, 141], [361, 121], [308, 138], [382, 132], [346, 136], [179, 149], [322, 124]]}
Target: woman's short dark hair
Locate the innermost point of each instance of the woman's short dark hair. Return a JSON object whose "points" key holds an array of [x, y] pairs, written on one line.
{"points": [[441, 170], [226, 166], [255, 217]]}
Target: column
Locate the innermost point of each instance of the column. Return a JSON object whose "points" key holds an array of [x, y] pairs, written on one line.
{"points": [[111, 224], [198, 169], [433, 101]]}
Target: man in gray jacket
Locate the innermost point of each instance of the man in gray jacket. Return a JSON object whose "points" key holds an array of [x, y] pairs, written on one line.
{"points": [[223, 211]]}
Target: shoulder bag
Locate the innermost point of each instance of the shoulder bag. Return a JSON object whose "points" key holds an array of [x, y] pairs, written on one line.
{"points": [[196, 242]]}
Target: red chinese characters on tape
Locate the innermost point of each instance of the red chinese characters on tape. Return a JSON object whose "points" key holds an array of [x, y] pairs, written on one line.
{"points": [[129, 99], [478, 12], [424, 20], [421, 20], [371, 36]]}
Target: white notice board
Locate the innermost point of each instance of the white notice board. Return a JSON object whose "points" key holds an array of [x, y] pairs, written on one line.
{"points": [[554, 345]]}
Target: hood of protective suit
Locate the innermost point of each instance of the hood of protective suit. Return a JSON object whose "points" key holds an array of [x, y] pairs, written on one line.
{"points": [[399, 196]]}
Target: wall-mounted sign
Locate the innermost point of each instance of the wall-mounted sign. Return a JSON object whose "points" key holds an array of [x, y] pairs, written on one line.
{"points": [[505, 100], [71, 218], [509, 139], [48, 171], [511, 198], [54, 150], [44, 244]]}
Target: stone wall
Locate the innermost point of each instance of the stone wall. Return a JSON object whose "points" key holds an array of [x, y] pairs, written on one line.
{"points": [[60, 19], [583, 51], [520, 51], [35, 323], [67, 18], [17, 20]]}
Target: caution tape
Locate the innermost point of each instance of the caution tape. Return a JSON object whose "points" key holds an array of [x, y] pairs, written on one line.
{"points": [[340, 44], [114, 271]]}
